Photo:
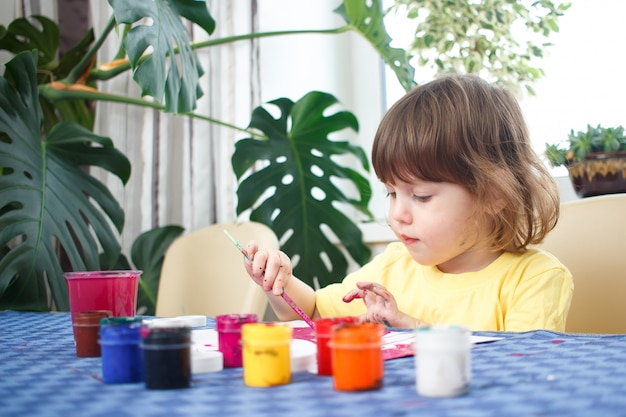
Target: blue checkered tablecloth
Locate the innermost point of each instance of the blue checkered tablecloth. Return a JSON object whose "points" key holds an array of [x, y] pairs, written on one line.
{"points": [[537, 373]]}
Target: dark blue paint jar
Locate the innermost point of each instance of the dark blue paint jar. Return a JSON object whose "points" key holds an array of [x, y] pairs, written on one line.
{"points": [[120, 343], [167, 357]]}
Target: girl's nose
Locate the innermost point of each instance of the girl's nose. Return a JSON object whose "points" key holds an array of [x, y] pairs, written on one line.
{"points": [[400, 211]]}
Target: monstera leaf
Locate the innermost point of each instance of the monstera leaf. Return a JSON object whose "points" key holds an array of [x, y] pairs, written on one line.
{"points": [[148, 253], [49, 203], [299, 175], [22, 35], [150, 44], [42, 34], [367, 19]]}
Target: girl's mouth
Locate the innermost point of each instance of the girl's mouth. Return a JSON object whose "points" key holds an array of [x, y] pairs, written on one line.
{"points": [[407, 240]]}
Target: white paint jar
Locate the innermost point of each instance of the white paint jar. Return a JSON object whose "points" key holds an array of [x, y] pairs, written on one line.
{"points": [[442, 361]]}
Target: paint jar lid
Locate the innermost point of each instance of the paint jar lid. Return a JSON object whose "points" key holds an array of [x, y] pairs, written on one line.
{"points": [[165, 322], [117, 331], [324, 325], [266, 333], [121, 321], [233, 322], [193, 321], [442, 337], [206, 361], [166, 337], [357, 334]]}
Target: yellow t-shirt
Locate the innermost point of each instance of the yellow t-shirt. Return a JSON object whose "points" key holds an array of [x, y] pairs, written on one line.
{"points": [[514, 293]]}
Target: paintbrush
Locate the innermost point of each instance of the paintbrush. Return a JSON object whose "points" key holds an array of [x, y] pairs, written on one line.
{"points": [[287, 299]]}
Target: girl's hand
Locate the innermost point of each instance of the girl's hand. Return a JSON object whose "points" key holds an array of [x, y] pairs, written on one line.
{"points": [[270, 268], [381, 305]]}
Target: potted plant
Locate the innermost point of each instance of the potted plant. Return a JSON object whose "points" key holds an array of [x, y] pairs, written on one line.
{"points": [[595, 159]]}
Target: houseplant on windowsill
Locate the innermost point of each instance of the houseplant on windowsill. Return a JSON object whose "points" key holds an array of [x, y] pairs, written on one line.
{"points": [[595, 160]]}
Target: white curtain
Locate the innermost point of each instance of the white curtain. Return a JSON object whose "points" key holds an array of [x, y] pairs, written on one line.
{"points": [[181, 171]]}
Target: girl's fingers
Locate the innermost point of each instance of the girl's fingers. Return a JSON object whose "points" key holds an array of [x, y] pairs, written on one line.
{"points": [[382, 292], [271, 269], [380, 303], [375, 288], [281, 268], [252, 248], [258, 263], [354, 294]]}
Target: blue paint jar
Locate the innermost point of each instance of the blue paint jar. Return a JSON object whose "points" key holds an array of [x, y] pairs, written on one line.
{"points": [[120, 343], [167, 357]]}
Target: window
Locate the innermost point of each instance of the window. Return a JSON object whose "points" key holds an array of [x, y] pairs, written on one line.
{"points": [[583, 83]]}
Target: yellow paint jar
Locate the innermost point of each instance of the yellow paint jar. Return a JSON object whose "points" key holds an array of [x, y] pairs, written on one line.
{"points": [[266, 354]]}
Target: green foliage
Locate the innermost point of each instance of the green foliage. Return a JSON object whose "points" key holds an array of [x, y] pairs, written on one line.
{"points": [[147, 254], [367, 20], [49, 202], [479, 37], [299, 169], [168, 37], [42, 35], [581, 143], [53, 210]]}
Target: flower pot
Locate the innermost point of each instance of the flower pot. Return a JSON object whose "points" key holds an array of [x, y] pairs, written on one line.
{"points": [[600, 173]]}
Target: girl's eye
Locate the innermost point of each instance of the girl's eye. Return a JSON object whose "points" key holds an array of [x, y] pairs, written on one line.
{"points": [[422, 198], [391, 194]]}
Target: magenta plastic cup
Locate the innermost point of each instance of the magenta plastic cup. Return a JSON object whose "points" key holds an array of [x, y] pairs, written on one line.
{"points": [[229, 336], [115, 291]]}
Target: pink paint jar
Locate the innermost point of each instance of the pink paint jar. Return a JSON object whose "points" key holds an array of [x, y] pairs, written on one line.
{"points": [[323, 328], [228, 328]]}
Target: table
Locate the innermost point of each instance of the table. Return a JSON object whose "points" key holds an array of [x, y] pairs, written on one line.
{"points": [[524, 374]]}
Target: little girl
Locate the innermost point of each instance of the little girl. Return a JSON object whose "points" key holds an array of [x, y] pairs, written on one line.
{"points": [[467, 197]]}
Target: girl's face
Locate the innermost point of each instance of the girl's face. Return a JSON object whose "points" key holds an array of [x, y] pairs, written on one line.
{"points": [[434, 221]]}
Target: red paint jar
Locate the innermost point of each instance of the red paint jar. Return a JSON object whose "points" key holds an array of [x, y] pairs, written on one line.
{"points": [[228, 328], [358, 363], [323, 329], [87, 332]]}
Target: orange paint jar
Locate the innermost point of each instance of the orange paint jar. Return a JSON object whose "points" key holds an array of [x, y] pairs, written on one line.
{"points": [[357, 356]]}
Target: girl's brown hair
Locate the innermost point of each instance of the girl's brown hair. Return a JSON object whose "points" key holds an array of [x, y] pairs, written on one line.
{"points": [[463, 130]]}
